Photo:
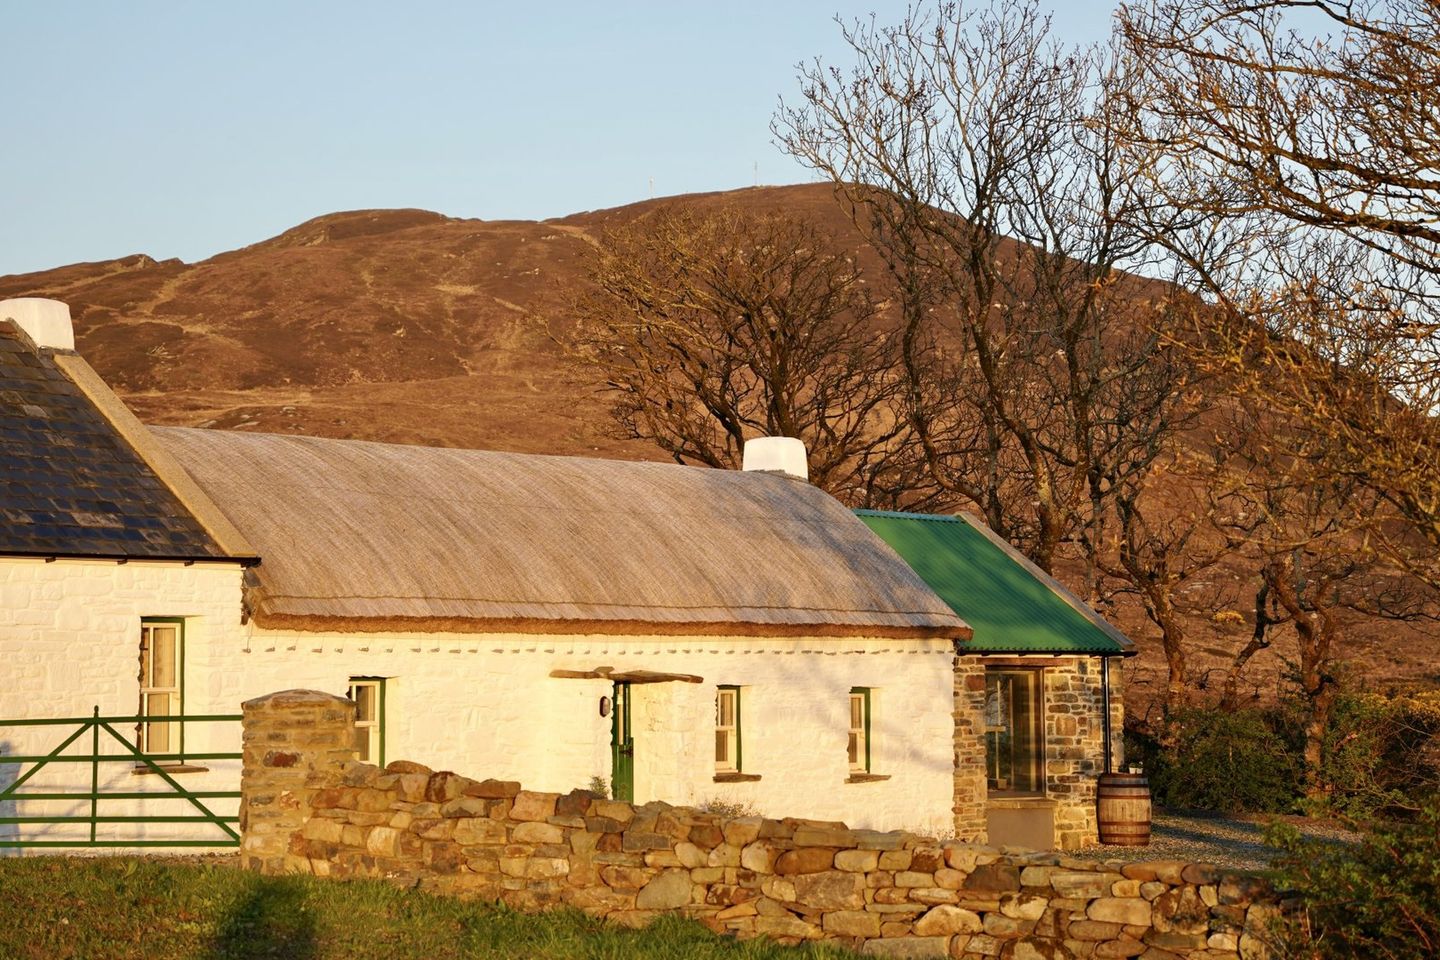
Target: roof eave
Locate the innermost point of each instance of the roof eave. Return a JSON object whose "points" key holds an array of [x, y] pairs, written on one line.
{"points": [[187, 559], [310, 623]]}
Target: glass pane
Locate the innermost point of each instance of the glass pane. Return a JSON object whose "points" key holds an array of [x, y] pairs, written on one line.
{"points": [[157, 704], [725, 709], [364, 696], [995, 700], [1012, 743], [857, 712], [163, 657], [722, 747], [1023, 749], [362, 743], [854, 749]]}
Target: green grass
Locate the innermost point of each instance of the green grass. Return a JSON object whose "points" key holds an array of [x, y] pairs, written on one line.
{"points": [[55, 908]]}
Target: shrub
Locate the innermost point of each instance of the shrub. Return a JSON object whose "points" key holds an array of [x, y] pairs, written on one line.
{"points": [[1222, 760], [1377, 899], [1380, 755], [729, 809]]}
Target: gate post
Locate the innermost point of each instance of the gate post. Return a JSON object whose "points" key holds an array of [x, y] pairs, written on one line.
{"points": [[296, 742]]}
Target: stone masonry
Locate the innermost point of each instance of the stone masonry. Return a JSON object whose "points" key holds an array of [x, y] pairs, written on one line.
{"points": [[970, 792], [295, 743], [308, 808], [1075, 744]]}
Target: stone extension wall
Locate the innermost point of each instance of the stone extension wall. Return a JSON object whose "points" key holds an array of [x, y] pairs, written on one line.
{"points": [[1073, 730], [1075, 744], [308, 808], [969, 759]]}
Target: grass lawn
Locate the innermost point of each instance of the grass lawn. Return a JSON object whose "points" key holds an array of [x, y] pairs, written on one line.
{"points": [[55, 908]]}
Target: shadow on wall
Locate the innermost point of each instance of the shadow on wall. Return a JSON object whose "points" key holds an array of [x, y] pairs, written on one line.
{"points": [[9, 772], [269, 921]]}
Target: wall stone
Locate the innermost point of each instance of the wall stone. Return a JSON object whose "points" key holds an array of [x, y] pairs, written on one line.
{"points": [[895, 894], [295, 744]]}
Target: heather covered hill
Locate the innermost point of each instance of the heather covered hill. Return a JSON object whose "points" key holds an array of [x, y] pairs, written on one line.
{"points": [[410, 326]]}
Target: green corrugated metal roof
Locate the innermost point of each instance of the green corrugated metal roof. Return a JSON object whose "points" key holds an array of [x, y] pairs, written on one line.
{"points": [[1012, 608]]}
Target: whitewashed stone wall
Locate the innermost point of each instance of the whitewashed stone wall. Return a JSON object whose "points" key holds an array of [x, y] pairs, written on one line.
{"points": [[69, 642], [486, 701]]}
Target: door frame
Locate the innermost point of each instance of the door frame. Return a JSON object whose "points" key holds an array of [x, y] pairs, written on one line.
{"points": [[622, 743]]}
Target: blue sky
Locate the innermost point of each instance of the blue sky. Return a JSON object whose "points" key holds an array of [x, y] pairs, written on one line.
{"points": [[182, 129]]}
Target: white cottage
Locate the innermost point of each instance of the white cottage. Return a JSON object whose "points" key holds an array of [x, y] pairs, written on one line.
{"points": [[690, 635], [686, 634]]}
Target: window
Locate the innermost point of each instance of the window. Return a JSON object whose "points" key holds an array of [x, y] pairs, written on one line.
{"points": [[1012, 731], [162, 685], [860, 730], [369, 696], [727, 729]]}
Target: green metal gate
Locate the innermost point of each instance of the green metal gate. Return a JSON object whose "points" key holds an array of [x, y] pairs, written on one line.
{"points": [[102, 731]]}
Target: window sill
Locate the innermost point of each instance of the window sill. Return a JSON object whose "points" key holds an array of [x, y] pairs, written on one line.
{"points": [[1017, 801], [736, 777], [169, 768], [867, 777]]}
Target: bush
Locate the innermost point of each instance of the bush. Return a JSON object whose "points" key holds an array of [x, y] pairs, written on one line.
{"points": [[1376, 899], [1380, 755], [1223, 760]]}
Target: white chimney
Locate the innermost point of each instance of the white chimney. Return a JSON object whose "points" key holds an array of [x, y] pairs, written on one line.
{"points": [[47, 322], [782, 454]]}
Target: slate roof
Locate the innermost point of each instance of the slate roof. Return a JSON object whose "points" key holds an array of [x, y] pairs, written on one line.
{"points": [[1012, 605], [70, 486]]}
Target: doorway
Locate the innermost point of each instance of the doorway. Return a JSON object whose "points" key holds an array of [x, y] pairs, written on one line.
{"points": [[622, 745]]}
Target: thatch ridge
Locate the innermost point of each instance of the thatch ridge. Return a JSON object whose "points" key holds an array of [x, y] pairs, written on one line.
{"points": [[354, 535]]}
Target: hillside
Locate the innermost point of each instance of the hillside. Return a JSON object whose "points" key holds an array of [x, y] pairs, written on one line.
{"points": [[408, 326]]}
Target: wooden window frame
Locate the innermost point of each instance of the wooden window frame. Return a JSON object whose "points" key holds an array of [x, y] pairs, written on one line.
{"points": [[177, 691], [1035, 675], [735, 738], [861, 765], [376, 738]]}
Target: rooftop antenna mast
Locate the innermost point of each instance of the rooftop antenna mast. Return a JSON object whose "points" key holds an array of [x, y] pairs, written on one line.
{"points": [[756, 165], [652, 188]]}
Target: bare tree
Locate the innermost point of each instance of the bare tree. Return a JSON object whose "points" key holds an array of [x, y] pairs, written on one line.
{"points": [[1303, 531], [1298, 142], [977, 156], [1164, 539], [709, 329]]}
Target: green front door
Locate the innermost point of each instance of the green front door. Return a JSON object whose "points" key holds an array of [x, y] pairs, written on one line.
{"points": [[622, 745]]}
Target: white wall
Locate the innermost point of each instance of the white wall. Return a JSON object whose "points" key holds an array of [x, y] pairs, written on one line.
{"points": [[485, 705], [69, 642]]}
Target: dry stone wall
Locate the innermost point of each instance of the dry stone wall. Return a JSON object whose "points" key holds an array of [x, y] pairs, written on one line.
{"points": [[886, 894]]}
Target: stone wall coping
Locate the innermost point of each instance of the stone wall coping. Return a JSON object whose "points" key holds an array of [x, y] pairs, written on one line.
{"points": [[294, 698]]}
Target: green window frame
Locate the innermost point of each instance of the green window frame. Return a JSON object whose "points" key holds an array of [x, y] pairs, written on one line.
{"points": [[729, 741], [859, 738], [368, 695], [162, 686]]}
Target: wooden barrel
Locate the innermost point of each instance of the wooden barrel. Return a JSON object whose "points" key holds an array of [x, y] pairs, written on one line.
{"points": [[1122, 804]]}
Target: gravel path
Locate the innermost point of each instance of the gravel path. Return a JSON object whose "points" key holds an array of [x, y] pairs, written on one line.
{"points": [[1209, 838]]}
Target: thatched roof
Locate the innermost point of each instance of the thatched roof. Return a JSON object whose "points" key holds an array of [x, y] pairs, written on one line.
{"points": [[364, 536]]}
